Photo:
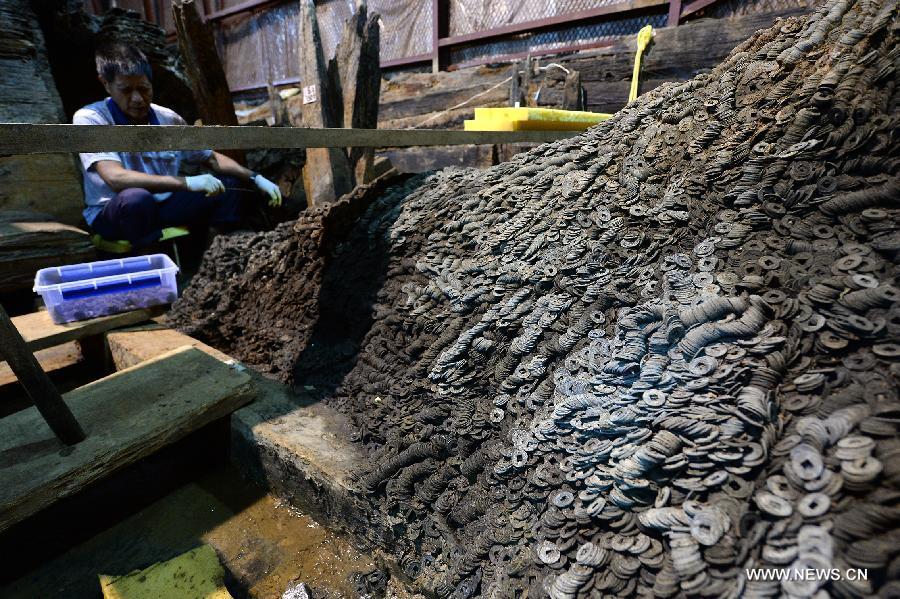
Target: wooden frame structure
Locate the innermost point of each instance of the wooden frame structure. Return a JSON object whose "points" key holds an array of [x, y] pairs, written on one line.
{"points": [[442, 41]]}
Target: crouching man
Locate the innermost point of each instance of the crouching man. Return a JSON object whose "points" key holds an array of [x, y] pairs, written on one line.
{"points": [[134, 195]]}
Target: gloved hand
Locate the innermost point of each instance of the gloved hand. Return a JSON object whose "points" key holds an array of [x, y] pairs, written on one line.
{"points": [[205, 183], [269, 189]]}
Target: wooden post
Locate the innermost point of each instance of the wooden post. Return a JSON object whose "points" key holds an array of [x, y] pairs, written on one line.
{"points": [[203, 68], [674, 13], [529, 68], [37, 384], [440, 28], [277, 106], [326, 175], [355, 76], [573, 95], [516, 93]]}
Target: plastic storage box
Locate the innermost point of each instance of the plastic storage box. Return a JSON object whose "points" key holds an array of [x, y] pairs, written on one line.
{"points": [[93, 289]]}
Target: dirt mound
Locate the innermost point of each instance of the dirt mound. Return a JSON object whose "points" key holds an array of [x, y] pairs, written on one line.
{"points": [[634, 362], [257, 295]]}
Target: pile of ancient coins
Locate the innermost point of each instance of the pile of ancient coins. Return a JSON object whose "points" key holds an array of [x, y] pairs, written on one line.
{"points": [[645, 360]]}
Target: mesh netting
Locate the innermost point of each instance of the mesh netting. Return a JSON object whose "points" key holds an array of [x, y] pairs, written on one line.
{"points": [[240, 47], [469, 16], [549, 40], [405, 27]]}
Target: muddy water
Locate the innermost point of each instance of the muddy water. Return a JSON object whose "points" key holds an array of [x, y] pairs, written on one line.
{"points": [[263, 545]]}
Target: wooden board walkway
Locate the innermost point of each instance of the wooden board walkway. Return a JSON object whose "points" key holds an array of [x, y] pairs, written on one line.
{"points": [[131, 346], [127, 415], [40, 332], [51, 359], [297, 448]]}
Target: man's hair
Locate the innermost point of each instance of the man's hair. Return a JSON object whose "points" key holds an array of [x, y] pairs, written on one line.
{"points": [[116, 58]]}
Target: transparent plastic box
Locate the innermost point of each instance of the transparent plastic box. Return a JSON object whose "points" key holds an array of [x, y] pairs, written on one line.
{"points": [[92, 289]]}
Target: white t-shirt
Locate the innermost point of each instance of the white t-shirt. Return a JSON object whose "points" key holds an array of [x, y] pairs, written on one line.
{"points": [[96, 191]]}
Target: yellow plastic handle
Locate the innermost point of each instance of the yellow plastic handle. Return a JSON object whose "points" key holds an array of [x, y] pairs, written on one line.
{"points": [[643, 38]]}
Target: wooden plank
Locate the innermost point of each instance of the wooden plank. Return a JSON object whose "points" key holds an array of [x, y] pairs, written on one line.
{"points": [[39, 331], [128, 415], [129, 347], [326, 174], [355, 78], [29, 242], [406, 60], [696, 6], [24, 138], [239, 8], [674, 13], [573, 94], [203, 67], [50, 359], [48, 404], [26, 234]]}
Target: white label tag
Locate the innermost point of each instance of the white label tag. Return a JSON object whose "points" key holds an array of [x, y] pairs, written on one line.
{"points": [[309, 94]]}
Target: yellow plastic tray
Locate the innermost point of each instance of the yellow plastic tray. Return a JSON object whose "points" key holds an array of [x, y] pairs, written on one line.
{"points": [[526, 113], [532, 119]]}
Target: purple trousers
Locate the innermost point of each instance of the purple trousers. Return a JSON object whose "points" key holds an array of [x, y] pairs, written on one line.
{"points": [[134, 214]]}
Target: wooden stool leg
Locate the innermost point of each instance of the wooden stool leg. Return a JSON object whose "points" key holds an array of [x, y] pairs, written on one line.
{"points": [[37, 384]]}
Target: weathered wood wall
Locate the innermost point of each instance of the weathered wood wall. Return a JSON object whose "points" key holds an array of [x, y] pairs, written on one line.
{"points": [[28, 94]]}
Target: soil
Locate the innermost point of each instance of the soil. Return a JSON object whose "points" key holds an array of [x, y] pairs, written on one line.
{"points": [[630, 363]]}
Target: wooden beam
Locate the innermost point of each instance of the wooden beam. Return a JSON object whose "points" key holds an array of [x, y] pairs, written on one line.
{"points": [[203, 67], [440, 28], [40, 332], [49, 405], [51, 359], [674, 13], [573, 95], [695, 6], [355, 77], [28, 246], [435, 36], [221, 13], [134, 345], [26, 138], [534, 53], [130, 414], [407, 60]]}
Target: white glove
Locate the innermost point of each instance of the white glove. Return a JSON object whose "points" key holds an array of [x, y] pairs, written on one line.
{"points": [[269, 189], [205, 183]]}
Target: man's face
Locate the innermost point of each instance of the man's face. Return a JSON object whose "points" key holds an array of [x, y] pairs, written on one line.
{"points": [[132, 94]]}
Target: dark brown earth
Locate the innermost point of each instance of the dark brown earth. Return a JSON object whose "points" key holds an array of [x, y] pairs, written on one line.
{"points": [[631, 363], [259, 296]]}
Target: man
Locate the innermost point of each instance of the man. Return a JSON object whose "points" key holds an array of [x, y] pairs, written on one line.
{"points": [[134, 195]]}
